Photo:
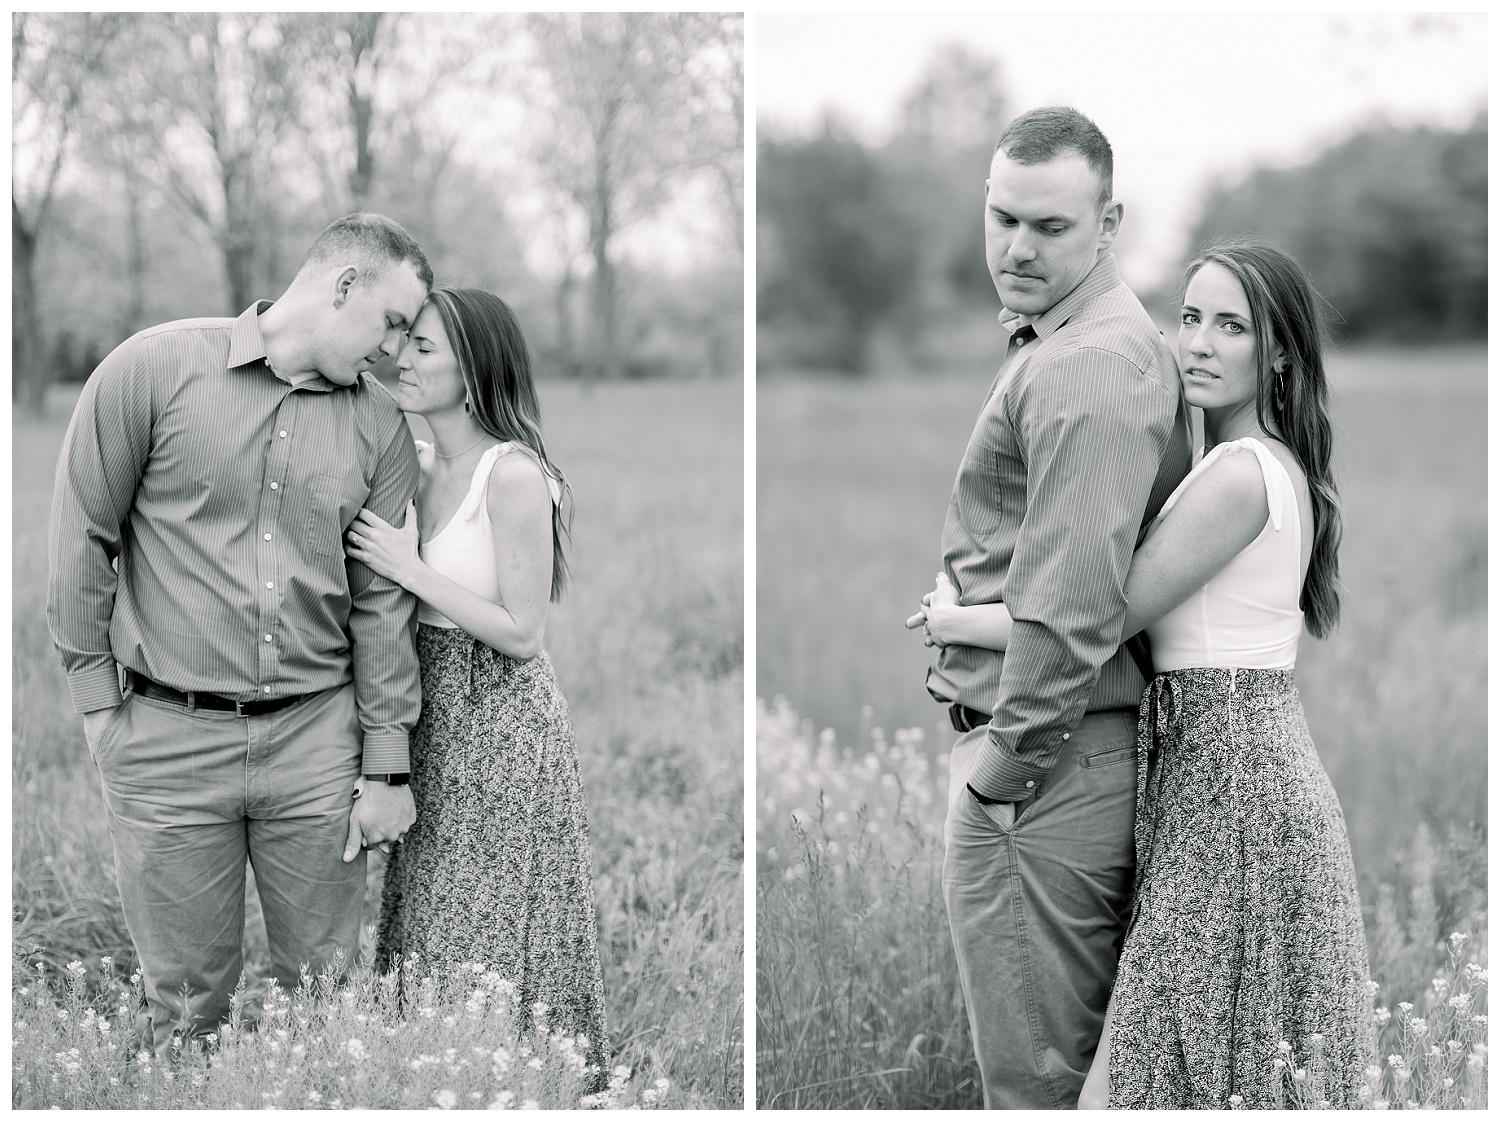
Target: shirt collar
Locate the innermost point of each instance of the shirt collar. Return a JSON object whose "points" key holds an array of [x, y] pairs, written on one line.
{"points": [[1100, 279], [247, 350]]}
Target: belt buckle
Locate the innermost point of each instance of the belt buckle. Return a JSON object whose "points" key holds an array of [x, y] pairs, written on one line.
{"points": [[192, 700], [239, 709]]}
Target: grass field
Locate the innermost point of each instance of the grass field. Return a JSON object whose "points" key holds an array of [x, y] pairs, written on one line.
{"points": [[858, 1003], [648, 646]]}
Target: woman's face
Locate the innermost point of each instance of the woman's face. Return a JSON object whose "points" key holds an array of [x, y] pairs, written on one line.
{"points": [[430, 380], [1216, 342]]}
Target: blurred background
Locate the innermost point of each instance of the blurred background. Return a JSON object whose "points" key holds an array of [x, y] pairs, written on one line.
{"points": [[589, 169], [1357, 142]]}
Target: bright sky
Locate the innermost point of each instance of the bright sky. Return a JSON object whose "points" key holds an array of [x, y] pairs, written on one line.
{"points": [[1184, 98]]}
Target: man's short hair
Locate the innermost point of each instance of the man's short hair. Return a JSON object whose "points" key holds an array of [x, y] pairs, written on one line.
{"points": [[1039, 135], [372, 242]]}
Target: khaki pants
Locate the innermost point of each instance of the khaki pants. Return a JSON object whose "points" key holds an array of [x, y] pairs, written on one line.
{"points": [[190, 795], [1038, 910]]}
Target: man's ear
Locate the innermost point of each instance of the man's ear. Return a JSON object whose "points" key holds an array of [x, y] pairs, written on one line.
{"points": [[1109, 224], [345, 281]]}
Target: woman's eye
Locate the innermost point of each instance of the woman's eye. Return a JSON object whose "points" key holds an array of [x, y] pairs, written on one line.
{"points": [[1188, 318], [1234, 328]]}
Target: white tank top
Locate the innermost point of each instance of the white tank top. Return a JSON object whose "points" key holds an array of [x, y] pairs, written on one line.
{"points": [[1247, 615], [464, 550]]}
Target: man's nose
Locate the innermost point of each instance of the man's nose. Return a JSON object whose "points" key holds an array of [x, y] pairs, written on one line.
{"points": [[1022, 248], [391, 344]]}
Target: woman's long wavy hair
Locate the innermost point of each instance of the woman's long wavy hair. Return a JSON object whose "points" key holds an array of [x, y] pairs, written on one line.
{"points": [[1285, 313], [496, 367]]}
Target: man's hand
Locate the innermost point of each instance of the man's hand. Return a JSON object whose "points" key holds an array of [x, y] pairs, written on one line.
{"points": [[382, 814], [93, 725]]}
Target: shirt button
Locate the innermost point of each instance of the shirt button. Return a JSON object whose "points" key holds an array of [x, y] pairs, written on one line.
{"points": [[1066, 735], [1031, 783], [268, 537], [270, 584], [274, 486], [282, 434], [268, 638], [267, 689]]}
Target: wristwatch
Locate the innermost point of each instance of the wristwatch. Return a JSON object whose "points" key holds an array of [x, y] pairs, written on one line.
{"points": [[393, 778]]}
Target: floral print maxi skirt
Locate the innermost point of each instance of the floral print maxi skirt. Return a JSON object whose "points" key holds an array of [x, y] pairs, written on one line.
{"points": [[497, 868], [1246, 935]]}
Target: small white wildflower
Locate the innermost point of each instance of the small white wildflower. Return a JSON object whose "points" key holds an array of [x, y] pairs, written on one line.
{"points": [[1382, 1017], [535, 1063], [445, 1099], [356, 1049], [1372, 987], [531, 1104], [1418, 1026], [1284, 1048], [502, 1101], [1404, 1006], [450, 1021], [314, 1097], [77, 969]]}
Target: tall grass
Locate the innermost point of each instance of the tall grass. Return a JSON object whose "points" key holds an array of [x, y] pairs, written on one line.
{"points": [[648, 647], [858, 1003]]}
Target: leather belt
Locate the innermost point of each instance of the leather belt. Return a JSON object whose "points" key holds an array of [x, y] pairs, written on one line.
{"points": [[966, 719], [139, 683]]}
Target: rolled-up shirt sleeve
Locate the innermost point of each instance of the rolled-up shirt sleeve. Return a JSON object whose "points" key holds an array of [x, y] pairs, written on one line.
{"points": [[103, 454], [1094, 428], [383, 622]]}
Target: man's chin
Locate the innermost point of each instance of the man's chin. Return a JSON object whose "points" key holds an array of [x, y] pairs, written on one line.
{"points": [[1029, 301]]}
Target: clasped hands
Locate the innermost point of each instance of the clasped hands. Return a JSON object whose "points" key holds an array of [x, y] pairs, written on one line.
{"points": [[382, 814], [937, 615]]}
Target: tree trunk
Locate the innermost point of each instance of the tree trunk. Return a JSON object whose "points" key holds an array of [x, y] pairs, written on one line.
{"points": [[135, 257], [566, 346], [606, 352], [362, 28], [30, 374]]}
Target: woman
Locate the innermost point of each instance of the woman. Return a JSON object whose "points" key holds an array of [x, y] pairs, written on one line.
{"points": [[496, 869], [1246, 935]]}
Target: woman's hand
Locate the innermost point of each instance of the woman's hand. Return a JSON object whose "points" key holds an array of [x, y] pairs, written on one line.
{"points": [[947, 623], [390, 552], [939, 611]]}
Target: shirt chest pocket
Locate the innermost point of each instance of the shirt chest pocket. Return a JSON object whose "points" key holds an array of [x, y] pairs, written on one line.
{"points": [[986, 481], [333, 502]]}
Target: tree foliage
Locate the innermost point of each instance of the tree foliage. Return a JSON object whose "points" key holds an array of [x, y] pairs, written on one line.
{"points": [[1392, 225], [177, 164]]}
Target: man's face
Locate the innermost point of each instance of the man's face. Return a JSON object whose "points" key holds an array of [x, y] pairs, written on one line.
{"points": [[1043, 229], [368, 319]]}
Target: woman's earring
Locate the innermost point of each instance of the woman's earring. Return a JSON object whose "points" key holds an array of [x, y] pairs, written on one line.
{"points": [[1280, 386], [467, 407]]}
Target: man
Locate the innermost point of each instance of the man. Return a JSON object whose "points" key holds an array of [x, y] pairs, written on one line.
{"points": [[1082, 439], [203, 489]]}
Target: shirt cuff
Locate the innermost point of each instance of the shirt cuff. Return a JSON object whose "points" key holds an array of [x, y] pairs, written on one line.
{"points": [[386, 752], [1000, 775], [95, 688]]}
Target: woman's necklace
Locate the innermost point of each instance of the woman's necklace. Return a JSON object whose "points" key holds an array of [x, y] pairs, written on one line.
{"points": [[456, 455]]}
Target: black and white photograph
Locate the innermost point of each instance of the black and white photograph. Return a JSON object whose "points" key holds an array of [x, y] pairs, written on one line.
{"points": [[378, 692], [1121, 554]]}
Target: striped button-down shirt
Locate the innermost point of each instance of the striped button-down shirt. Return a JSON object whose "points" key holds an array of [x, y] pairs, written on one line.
{"points": [[1074, 453], [197, 531]]}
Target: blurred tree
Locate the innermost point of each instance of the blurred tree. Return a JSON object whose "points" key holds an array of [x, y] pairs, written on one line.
{"points": [[839, 246], [55, 58], [620, 102], [958, 103], [1392, 225], [939, 160], [228, 100]]}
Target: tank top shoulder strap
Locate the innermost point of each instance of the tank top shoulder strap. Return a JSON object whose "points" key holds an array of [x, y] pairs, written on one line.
{"points": [[479, 485], [1281, 497]]}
